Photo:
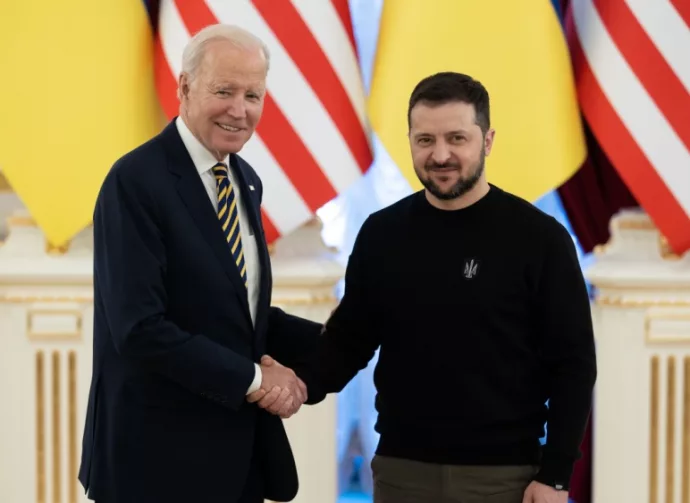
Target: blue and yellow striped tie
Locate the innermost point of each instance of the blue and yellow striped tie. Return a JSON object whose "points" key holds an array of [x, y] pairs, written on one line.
{"points": [[230, 217]]}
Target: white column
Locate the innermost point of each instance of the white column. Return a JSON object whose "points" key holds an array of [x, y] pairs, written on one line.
{"points": [[305, 274], [45, 365], [641, 426]]}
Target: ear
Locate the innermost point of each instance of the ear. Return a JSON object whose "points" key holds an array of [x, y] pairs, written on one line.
{"points": [[183, 87], [489, 141]]}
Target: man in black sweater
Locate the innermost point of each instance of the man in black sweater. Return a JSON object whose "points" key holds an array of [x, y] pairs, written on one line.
{"points": [[478, 304]]}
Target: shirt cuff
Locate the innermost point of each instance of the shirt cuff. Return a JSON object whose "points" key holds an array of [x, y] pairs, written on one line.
{"points": [[256, 383], [556, 471]]}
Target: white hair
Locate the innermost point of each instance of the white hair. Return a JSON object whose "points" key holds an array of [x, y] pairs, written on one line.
{"points": [[194, 51]]}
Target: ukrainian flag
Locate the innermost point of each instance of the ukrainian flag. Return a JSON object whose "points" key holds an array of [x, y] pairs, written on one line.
{"points": [[518, 51], [77, 93]]}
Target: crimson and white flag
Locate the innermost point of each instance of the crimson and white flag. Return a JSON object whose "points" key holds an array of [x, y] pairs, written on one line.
{"points": [[632, 65]]}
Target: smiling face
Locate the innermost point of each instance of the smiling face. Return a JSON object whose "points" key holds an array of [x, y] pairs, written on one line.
{"points": [[222, 102], [448, 148]]}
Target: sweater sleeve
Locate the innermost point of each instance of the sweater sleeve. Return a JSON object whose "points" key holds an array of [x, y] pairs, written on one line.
{"points": [[350, 339], [567, 345]]}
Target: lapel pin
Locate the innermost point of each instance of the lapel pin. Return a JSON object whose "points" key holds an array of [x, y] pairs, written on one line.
{"points": [[251, 187]]}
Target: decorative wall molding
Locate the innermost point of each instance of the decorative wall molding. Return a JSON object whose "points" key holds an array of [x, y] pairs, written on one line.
{"points": [[642, 399]]}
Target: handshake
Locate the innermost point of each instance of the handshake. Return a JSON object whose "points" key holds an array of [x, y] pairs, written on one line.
{"points": [[282, 392]]}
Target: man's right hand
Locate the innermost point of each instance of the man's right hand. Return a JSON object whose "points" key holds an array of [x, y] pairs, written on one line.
{"points": [[282, 392]]}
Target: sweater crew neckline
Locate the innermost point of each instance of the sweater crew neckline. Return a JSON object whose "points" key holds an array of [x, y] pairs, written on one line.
{"points": [[461, 213]]}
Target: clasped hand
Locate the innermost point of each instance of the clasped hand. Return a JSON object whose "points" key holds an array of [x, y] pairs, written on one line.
{"points": [[282, 392]]}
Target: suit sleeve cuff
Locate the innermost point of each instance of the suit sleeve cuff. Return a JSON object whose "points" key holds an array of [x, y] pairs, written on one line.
{"points": [[256, 383], [556, 472]]}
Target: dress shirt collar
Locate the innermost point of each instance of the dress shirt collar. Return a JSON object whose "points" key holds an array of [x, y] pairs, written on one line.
{"points": [[203, 159]]}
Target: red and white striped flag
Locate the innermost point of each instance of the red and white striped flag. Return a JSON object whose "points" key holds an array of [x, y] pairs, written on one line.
{"points": [[312, 141], [632, 65]]}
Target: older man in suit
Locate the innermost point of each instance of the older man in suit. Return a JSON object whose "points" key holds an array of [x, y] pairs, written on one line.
{"points": [[182, 283]]}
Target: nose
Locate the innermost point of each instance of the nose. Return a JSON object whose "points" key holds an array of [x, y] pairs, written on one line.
{"points": [[237, 108], [441, 153]]}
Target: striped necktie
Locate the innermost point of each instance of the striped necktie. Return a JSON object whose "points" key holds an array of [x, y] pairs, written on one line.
{"points": [[230, 217]]}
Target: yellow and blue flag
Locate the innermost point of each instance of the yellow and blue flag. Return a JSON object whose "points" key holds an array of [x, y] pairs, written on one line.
{"points": [[77, 93], [517, 49]]}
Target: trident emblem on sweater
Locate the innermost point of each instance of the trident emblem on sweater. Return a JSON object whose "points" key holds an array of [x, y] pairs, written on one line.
{"points": [[470, 269]]}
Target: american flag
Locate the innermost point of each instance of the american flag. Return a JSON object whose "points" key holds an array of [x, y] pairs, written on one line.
{"points": [[312, 141], [632, 65]]}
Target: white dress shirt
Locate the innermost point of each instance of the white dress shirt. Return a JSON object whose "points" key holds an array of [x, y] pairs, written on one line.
{"points": [[203, 161]]}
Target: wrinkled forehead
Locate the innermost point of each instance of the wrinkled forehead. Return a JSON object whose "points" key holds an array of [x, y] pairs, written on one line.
{"points": [[443, 118], [223, 59]]}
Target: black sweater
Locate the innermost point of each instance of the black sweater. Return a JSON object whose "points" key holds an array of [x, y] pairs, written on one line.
{"points": [[482, 315]]}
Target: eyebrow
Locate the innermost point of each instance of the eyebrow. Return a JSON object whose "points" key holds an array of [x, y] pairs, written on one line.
{"points": [[234, 85], [454, 132]]}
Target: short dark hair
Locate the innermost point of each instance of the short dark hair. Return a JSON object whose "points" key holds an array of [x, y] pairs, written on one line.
{"points": [[447, 87]]}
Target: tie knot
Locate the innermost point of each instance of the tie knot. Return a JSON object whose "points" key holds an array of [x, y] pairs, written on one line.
{"points": [[220, 169]]}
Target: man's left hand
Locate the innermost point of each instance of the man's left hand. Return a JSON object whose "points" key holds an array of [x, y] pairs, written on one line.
{"points": [[540, 493]]}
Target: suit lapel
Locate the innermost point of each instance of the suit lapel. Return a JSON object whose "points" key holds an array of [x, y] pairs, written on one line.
{"points": [[248, 198], [193, 194]]}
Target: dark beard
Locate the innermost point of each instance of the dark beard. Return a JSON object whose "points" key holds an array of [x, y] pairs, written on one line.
{"points": [[461, 187]]}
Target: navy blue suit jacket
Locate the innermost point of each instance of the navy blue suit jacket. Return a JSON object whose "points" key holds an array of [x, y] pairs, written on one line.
{"points": [[174, 344]]}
